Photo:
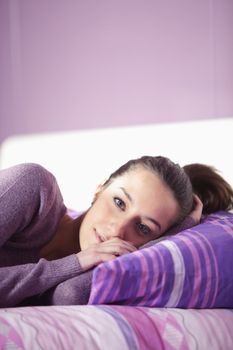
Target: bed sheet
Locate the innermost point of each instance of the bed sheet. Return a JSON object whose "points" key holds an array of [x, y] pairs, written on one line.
{"points": [[115, 327]]}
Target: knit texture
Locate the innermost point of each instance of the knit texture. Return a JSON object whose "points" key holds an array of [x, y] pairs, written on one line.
{"points": [[31, 207]]}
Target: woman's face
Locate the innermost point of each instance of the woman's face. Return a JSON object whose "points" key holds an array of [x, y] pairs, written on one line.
{"points": [[136, 207]]}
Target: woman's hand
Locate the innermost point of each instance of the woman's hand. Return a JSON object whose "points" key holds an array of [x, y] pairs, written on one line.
{"points": [[104, 251], [197, 209]]}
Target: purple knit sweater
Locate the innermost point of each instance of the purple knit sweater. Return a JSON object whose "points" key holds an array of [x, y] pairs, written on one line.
{"points": [[31, 207]]}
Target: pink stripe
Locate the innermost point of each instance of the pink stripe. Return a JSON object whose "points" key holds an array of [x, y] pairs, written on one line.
{"points": [[168, 323], [197, 268], [210, 278], [227, 226], [148, 335], [214, 278], [145, 280], [151, 253], [156, 273], [173, 323], [11, 336], [99, 278], [116, 277], [227, 229], [122, 270]]}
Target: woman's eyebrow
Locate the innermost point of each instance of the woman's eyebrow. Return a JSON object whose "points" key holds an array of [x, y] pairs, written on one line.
{"points": [[155, 222], [127, 194]]}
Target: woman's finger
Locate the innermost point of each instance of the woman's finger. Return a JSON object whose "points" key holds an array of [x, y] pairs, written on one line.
{"points": [[104, 251]]}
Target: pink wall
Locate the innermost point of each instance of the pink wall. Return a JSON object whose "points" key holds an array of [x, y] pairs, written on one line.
{"points": [[68, 64]]}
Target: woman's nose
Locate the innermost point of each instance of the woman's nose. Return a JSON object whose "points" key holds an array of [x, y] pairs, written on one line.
{"points": [[118, 229]]}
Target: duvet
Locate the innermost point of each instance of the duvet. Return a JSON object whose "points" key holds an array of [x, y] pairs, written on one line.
{"points": [[115, 327]]}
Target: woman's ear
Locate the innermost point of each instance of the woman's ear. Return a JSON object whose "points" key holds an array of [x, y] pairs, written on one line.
{"points": [[98, 190]]}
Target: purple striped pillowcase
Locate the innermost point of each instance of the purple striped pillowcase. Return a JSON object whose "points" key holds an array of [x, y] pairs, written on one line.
{"points": [[192, 269]]}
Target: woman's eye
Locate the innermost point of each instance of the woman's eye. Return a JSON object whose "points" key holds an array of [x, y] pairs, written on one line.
{"points": [[119, 203], [145, 230]]}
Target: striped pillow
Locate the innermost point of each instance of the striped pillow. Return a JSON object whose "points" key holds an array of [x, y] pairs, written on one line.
{"points": [[192, 269]]}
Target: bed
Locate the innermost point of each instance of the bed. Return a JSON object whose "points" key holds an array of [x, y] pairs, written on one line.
{"points": [[176, 294]]}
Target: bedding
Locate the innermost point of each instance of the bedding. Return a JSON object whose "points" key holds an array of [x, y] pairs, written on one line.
{"points": [[76, 291], [192, 269], [198, 261], [115, 327]]}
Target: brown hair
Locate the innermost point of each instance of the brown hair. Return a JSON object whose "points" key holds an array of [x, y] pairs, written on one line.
{"points": [[215, 193], [170, 173]]}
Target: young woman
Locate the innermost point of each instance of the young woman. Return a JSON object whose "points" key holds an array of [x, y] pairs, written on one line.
{"points": [[42, 246]]}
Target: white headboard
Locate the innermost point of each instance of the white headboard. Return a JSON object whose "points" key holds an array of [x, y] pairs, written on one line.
{"points": [[80, 160]]}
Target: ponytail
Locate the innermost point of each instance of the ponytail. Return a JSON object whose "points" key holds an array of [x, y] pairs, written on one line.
{"points": [[215, 193]]}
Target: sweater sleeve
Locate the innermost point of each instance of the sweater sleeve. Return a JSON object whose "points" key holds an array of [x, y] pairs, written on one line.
{"points": [[31, 207], [23, 281], [74, 291]]}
